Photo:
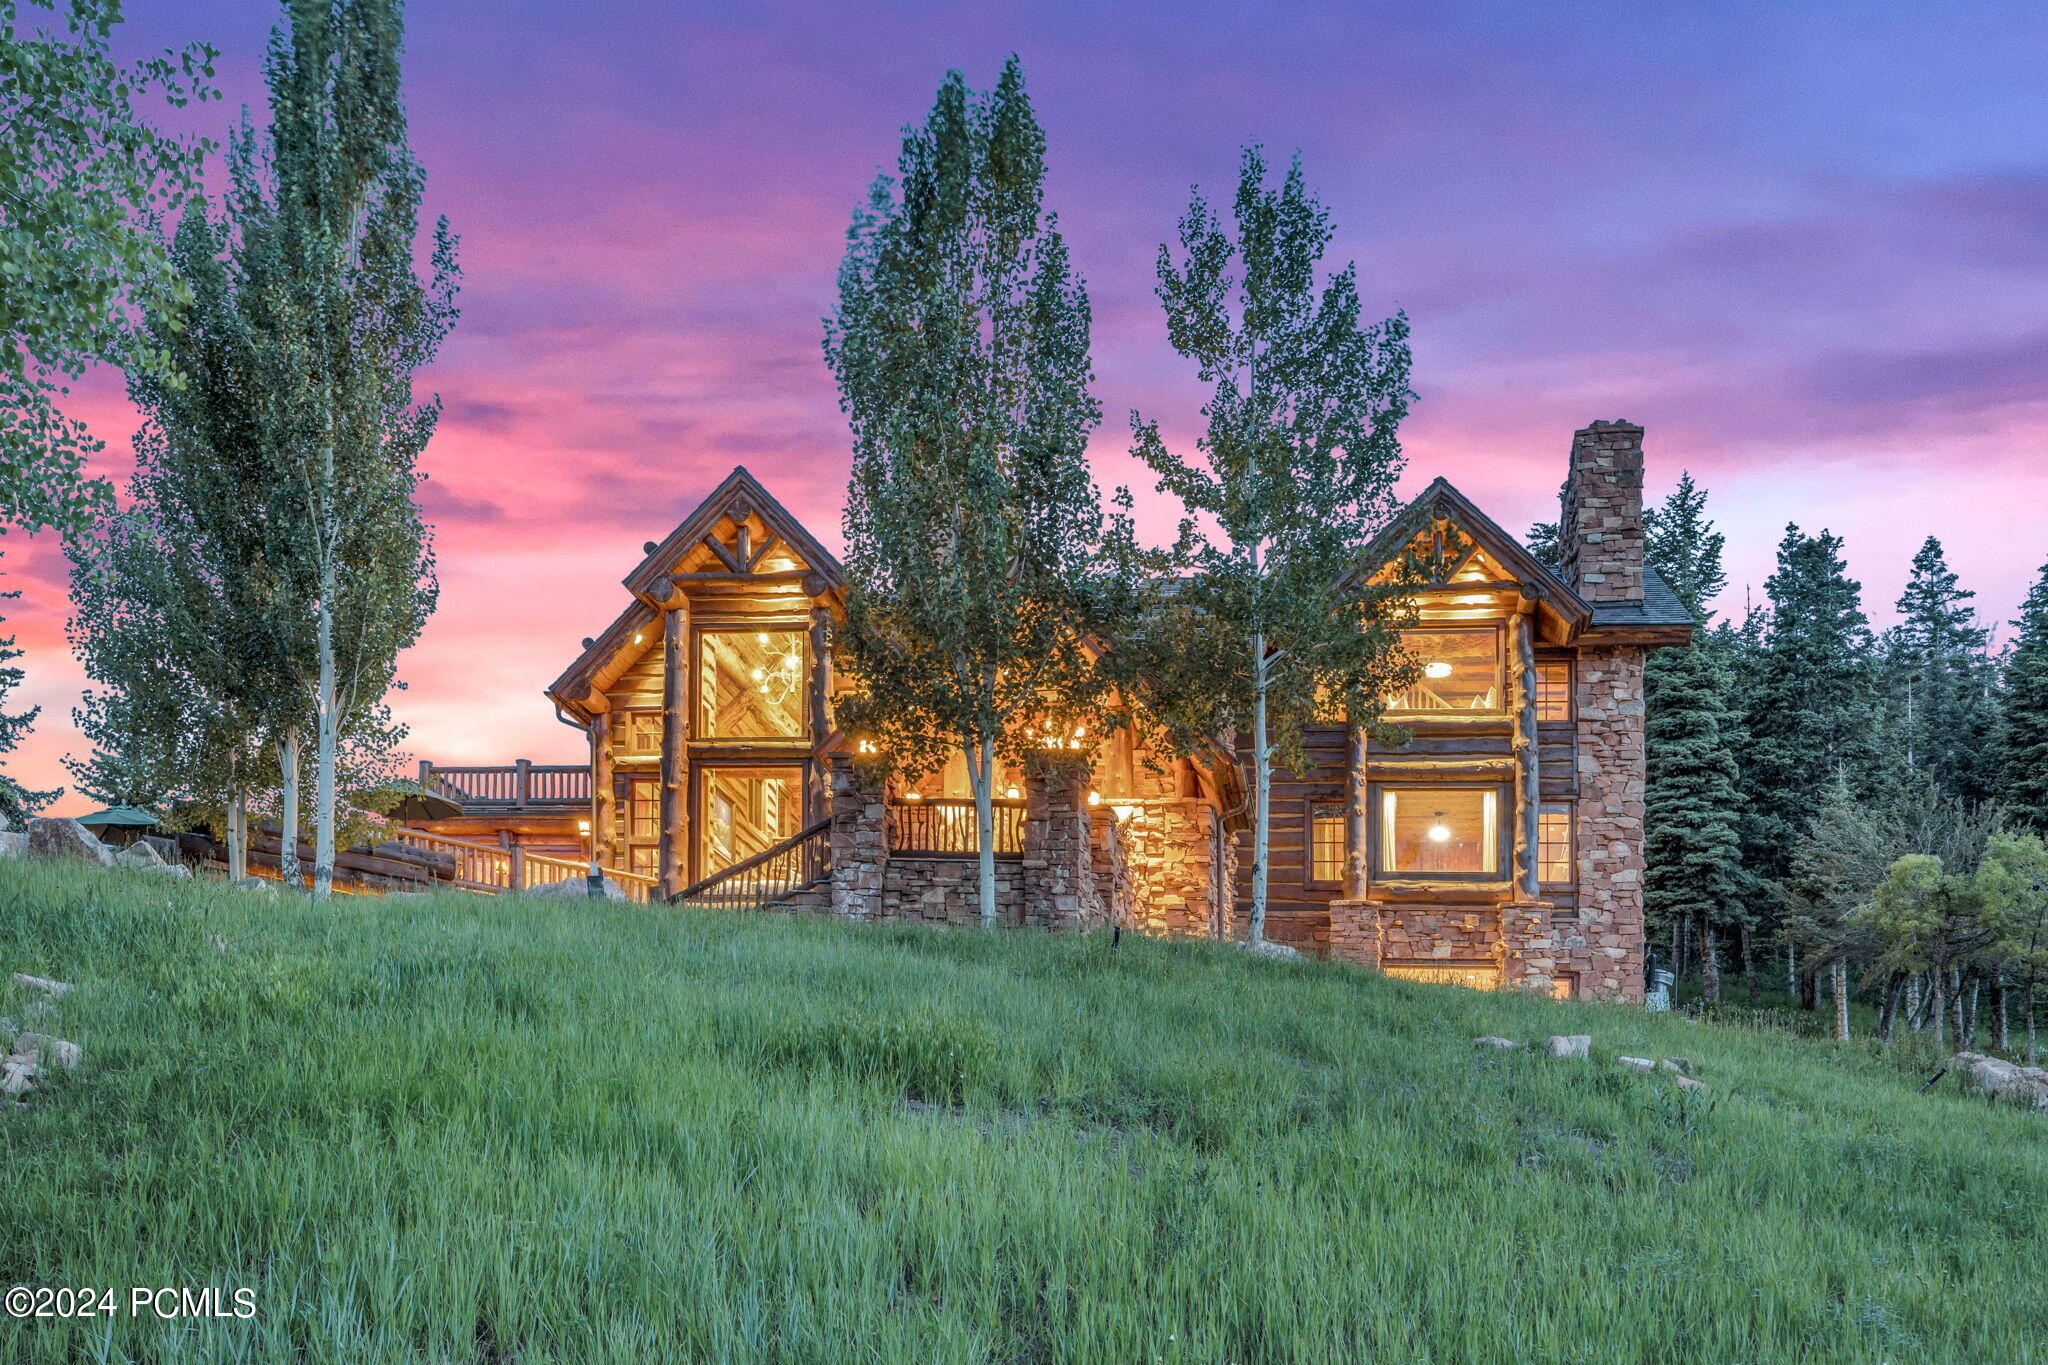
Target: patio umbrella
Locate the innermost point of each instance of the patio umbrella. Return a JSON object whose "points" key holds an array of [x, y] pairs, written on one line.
{"points": [[118, 817], [417, 803]]}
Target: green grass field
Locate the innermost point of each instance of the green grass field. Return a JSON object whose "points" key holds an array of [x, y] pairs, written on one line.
{"points": [[465, 1129]]}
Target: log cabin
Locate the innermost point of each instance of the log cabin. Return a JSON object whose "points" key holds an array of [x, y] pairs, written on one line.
{"points": [[1500, 845]]}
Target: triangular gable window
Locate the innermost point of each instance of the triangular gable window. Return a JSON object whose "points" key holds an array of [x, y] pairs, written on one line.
{"points": [[1444, 554]]}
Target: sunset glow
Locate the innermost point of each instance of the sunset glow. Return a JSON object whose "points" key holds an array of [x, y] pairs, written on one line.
{"points": [[1814, 272]]}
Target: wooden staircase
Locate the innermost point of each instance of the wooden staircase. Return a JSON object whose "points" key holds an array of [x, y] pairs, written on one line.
{"points": [[795, 874]]}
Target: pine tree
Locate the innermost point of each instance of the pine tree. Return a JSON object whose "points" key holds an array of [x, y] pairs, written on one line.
{"points": [[1940, 683], [1296, 467], [1692, 853], [1685, 549], [960, 344], [2023, 752], [1693, 880], [1810, 700]]}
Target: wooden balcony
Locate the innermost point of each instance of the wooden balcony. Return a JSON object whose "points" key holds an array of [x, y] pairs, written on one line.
{"points": [[520, 785]]}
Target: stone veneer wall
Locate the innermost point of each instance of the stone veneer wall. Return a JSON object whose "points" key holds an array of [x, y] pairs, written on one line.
{"points": [[948, 891], [1059, 884], [1605, 945], [1600, 533]]}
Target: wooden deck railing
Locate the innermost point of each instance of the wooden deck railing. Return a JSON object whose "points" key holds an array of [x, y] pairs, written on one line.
{"points": [[944, 827], [521, 783], [492, 868], [757, 882]]}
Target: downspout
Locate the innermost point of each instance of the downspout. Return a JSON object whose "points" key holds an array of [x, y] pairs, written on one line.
{"points": [[593, 881]]}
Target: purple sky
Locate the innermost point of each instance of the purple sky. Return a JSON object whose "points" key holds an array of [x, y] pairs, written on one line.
{"points": [[1806, 245]]}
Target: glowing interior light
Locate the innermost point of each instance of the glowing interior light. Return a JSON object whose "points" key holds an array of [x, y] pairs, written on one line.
{"points": [[638, 636], [1094, 798], [912, 796], [1080, 730], [1011, 793], [1438, 669], [1440, 833]]}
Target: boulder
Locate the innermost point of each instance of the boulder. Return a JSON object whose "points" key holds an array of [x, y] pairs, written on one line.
{"points": [[15, 1078], [66, 840], [1265, 947], [1688, 1083], [56, 1051], [1569, 1045], [263, 884], [1637, 1063], [574, 889], [2003, 1080], [13, 844], [53, 989], [1682, 1065], [1489, 1040], [142, 857]]}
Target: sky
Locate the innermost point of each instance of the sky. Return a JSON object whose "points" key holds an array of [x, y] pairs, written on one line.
{"points": [[1805, 244]]}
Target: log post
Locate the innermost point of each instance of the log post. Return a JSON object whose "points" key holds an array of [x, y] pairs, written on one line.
{"points": [[675, 629], [601, 797], [1528, 836], [522, 781]]}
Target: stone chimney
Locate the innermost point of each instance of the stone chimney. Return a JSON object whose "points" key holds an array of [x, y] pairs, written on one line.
{"points": [[1600, 533]]}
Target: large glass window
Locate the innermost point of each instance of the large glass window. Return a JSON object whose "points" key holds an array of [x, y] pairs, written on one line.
{"points": [[751, 684], [1439, 831], [1460, 673], [745, 811]]}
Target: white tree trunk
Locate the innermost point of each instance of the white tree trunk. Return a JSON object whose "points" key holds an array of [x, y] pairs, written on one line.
{"points": [[289, 748], [238, 837], [324, 757], [981, 777], [1262, 805]]}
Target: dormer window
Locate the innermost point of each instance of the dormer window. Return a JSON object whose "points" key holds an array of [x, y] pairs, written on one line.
{"points": [[1460, 674]]}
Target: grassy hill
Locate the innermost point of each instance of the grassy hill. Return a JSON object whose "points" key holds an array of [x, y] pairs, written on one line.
{"points": [[464, 1129]]}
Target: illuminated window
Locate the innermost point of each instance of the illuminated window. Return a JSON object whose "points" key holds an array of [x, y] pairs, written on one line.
{"points": [[1478, 976], [751, 684], [1433, 832], [745, 811], [1554, 845], [1460, 673], [1326, 842], [1554, 690]]}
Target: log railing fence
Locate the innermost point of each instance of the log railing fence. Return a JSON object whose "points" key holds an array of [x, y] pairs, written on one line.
{"points": [[945, 827], [490, 868]]}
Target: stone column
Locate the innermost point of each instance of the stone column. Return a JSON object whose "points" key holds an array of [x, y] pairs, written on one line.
{"points": [[860, 845], [1059, 873]]}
